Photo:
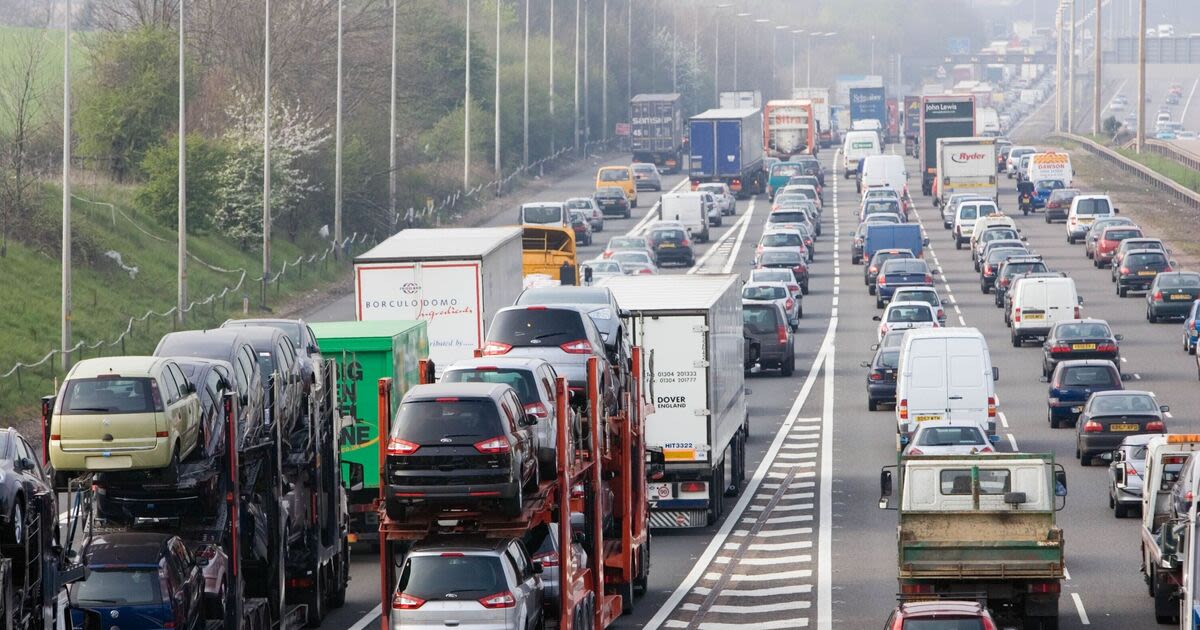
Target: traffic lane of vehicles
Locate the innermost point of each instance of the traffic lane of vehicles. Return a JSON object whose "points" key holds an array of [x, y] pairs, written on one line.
{"points": [[1102, 553]]}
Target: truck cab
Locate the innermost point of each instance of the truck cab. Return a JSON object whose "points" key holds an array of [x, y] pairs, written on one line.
{"points": [[1162, 532]]}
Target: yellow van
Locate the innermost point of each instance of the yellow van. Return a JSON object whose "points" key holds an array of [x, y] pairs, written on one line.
{"points": [[544, 250], [621, 177]]}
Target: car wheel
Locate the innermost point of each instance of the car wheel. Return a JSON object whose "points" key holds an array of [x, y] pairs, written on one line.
{"points": [[14, 532], [1085, 458], [1070, 240], [1119, 511], [872, 405], [628, 213], [633, 204], [1016, 340], [1051, 419], [1150, 316], [513, 506], [983, 288], [871, 289], [1191, 348], [957, 243], [1047, 218], [878, 302], [1121, 291], [789, 366]]}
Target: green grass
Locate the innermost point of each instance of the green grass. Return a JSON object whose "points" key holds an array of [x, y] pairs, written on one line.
{"points": [[105, 296], [1166, 167]]}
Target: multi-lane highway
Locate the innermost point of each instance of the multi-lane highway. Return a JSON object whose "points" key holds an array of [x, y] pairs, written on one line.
{"points": [[806, 545]]}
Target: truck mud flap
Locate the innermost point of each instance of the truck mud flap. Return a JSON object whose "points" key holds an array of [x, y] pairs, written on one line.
{"points": [[678, 519]]}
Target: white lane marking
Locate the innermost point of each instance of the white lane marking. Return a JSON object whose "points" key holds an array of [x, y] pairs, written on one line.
{"points": [[1066, 573], [1003, 419], [737, 244], [1083, 618], [1188, 104], [825, 534], [751, 609], [1168, 414], [1137, 377], [767, 562], [1124, 360], [779, 624], [1013, 441], [762, 577], [795, 589], [719, 244], [640, 226], [776, 533], [787, 546], [368, 618]]}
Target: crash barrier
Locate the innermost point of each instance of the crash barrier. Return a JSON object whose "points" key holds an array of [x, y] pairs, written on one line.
{"points": [[1176, 191]]}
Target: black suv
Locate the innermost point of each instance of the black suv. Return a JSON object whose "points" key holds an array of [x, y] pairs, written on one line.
{"points": [[1138, 269], [672, 245], [231, 346], [459, 444]]}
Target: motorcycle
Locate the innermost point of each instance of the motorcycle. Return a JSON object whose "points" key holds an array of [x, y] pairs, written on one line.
{"points": [[1026, 203]]}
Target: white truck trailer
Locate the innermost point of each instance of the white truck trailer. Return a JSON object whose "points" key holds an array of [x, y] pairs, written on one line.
{"points": [[690, 329], [453, 278], [966, 165]]}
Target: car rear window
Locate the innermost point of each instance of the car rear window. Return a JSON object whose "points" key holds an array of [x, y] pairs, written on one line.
{"points": [[760, 319], [1120, 234], [776, 257], [968, 211], [873, 207], [1088, 375], [428, 421], [451, 576], [889, 359], [951, 436], [628, 256], [520, 380], [541, 214], [1002, 234], [1092, 206], [579, 204], [786, 217], [561, 295], [904, 265], [1145, 260], [1179, 281], [928, 297], [958, 481], [716, 190], [906, 314], [771, 275], [998, 255], [109, 395], [537, 327], [1134, 404], [291, 329], [763, 293], [126, 587], [1082, 331], [785, 170], [1050, 184], [674, 236], [614, 175], [627, 243], [944, 623], [1033, 267], [782, 239]]}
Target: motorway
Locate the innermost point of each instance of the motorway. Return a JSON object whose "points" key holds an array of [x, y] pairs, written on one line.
{"points": [[806, 545]]}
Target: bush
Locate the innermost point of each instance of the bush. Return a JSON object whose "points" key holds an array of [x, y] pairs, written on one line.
{"points": [[159, 197], [1111, 126]]}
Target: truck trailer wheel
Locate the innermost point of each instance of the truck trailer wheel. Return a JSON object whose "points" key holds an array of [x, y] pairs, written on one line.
{"points": [[716, 492], [313, 599], [1043, 623], [1165, 608], [641, 581]]}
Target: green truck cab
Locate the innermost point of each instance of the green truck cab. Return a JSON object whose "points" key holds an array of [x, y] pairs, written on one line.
{"points": [[366, 352], [981, 527]]}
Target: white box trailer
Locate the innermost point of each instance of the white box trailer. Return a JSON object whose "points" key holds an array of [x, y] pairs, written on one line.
{"points": [[690, 328], [453, 278], [966, 165]]}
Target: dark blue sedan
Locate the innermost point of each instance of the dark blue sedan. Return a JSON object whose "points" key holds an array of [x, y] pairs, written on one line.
{"points": [[1073, 382], [900, 272], [141, 580]]}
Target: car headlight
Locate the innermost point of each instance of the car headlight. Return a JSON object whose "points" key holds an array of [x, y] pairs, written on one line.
{"points": [[602, 313]]}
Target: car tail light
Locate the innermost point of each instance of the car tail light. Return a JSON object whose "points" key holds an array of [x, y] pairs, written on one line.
{"points": [[915, 451], [928, 279], [538, 410], [1078, 313], [1004, 282], [1106, 347], [607, 253], [941, 314], [695, 185], [916, 589], [782, 332], [396, 446], [987, 269], [875, 376], [902, 409], [493, 348], [991, 406], [1092, 427], [1045, 587], [873, 269], [1124, 269], [881, 281], [645, 271], [795, 289], [499, 600], [987, 449], [692, 486], [687, 243], [1130, 470], [493, 446], [579, 346], [790, 303], [1156, 425], [735, 185], [1167, 268], [1056, 349], [547, 558], [1017, 314]]}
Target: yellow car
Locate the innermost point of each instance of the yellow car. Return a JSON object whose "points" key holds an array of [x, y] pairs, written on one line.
{"points": [[124, 413], [621, 177]]}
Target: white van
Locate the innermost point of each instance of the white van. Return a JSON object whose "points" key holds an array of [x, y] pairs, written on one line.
{"points": [[1039, 304], [945, 374], [884, 171], [968, 214], [690, 209], [545, 213], [858, 145], [1085, 209]]}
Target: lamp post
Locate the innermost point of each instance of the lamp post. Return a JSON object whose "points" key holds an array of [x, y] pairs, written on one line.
{"points": [[774, 57], [796, 32], [767, 21], [181, 264], [466, 107], [717, 56], [736, 23]]}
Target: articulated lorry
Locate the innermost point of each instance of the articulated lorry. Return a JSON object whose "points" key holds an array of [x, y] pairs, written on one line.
{"points": [[981, 527], [912, 124], [966, 165], [869, 103], [821, 111], [745, 99], [656, 130], [951, 116], [727, 146], [690, 329], [789, 127]]}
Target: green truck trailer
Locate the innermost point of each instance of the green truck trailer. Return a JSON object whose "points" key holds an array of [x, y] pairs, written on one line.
{"points": [[366, 352]]}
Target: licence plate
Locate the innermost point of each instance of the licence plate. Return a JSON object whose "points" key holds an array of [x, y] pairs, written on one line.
{"points": [[1146, 273], [1034, 316], [667, 245], [1078, 409], [1180, 296], [1083, 220], [928, 417], [1083, 346], [1122, 427]]}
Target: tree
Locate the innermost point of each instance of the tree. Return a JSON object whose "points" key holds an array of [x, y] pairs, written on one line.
{"points": [[130, 99], [22, 92], [159, 197]]}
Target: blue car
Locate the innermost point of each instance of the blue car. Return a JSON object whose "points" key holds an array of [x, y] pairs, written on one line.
{"points": [[1191, 328], [1073, 382], [1042, 190], [900, 272], [139, 581]]}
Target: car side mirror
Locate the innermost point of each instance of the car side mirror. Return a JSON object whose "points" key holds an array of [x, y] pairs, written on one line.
{"points": [[354, 475], [1107, 456], [1118, 456], [865, 364], [995, 373], [577, 536], [935, 272], [313, 349], [925, 242], [1044, 379], [1174, 264], [529, 421], [874, 346], [23, 464], [1060, 483], [876, 318], [1164, 408], [191, 388], [885, 487], [1119, 337], [1116, 211], [1080, 299], [1025, 239]]}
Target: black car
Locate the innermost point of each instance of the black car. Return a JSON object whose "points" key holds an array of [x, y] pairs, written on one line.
{"points": [[881, 377], [1171, 295], [871, 271], [601, 307], [278, 364], [672, 245], [784, 259], [142, 580], [810, 165], [767, 324], [1138, 269], [458, 444], [991, 265], [1110, 416], [612, 202], [304, 341], [1080, 339], [1012, 267], [24, 488], [232, 347]]}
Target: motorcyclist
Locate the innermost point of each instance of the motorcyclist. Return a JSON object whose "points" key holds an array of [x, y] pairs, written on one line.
{"points": [[1025, 196]]}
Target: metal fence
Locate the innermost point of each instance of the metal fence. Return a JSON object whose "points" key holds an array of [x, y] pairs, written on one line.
{"points": [[1182, 194]]}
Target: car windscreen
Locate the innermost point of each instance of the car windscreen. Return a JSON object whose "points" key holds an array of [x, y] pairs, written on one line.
{"points": [[118, 587], [909, 314], [760, 319], [428, 421], [519, 379], [537, 327], [1088, 375], [614, 175], [951, 436], [781, 239], [541, 214], [1092, 206], [110, 395], [452, 577], [786, 217], [1179, 281], [763, 293]]}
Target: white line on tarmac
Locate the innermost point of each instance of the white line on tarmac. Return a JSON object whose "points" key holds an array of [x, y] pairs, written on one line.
{"points": [[367, 619], [1013, 442], [719, 243], [737, 244], [1188, 104], [653, 211], [1083, 618], [1003, 420]]}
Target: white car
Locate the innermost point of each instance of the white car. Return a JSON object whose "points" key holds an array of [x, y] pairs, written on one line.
{"points": [[906, 316], [590, 209], [928, 295], [945, 437], [603, 268], [725, 199], [785, 276], [779, 293]]}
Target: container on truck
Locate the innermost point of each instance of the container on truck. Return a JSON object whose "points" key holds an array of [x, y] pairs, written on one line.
{"points": [[657, 130], [868, 103], [789, 127], [1165, 533], [981, 526], [744, 99], [690, 328], [845, 83], [453, 278], [365, 352], [727, 146], [966, 165], [950, 116], [821, 111], [912, 124], [1051, 165], [988, 122]]}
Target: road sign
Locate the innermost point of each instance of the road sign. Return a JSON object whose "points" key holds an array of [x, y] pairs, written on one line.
{"points": [[958, 45], [622, 129]]}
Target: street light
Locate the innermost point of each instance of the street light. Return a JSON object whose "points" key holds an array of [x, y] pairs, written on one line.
{"points": [[775, 57], [808, 61], [735, 48], [798, 31], [717, 56], [765, 21]]}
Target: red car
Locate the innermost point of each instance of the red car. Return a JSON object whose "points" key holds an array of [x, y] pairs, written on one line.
{"points": [[934, 615], [1110, 240]]}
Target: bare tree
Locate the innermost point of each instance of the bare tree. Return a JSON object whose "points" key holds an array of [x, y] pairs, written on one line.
{"points": [[23, 116], [120, 15]]}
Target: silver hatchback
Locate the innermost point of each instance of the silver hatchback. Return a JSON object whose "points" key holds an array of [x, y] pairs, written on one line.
{"points": [[480, 584]]}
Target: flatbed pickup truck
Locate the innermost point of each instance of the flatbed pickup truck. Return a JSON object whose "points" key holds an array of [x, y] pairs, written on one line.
{"points": [[1163, 528], [982, 524]]}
